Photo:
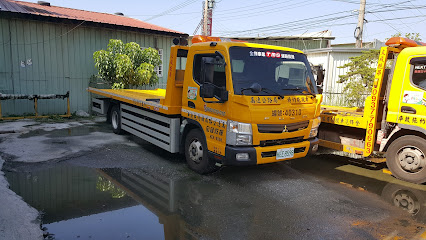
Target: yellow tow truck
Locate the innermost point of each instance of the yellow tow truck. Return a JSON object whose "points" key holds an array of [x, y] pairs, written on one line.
{"points": [[226, 103], [393, 120]]}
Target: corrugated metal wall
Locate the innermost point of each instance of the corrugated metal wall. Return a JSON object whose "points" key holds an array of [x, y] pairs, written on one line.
{"points": [[42, 58], [331, 62]]}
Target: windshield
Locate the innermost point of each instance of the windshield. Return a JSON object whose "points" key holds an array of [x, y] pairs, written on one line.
{"points": [[286, 73]]}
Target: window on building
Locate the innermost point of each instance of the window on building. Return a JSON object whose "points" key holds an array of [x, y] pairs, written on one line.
{"points": [[159, 69]]}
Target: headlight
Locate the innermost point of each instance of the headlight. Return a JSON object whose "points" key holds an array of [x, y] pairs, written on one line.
{"points": [[239, 133], [315, 124], [313, 133]]}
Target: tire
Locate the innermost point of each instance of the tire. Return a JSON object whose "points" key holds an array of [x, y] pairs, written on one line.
{"points": [[116, 119], [196, 153], [108, 116], [406, 158]]}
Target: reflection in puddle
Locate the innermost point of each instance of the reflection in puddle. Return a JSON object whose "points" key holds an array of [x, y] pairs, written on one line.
{"points": [[78, 202], [370, 177]]}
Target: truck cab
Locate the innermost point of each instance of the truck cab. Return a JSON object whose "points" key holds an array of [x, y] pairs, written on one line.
{"points": [[393, 120], [256, 103]]}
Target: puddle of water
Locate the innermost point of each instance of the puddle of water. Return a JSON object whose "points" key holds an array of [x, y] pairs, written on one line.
{"points": [[73, 131], [78, 202], [83, 203]]}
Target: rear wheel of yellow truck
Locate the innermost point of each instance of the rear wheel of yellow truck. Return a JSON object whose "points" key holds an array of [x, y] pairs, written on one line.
{"points": [[196, 153], [406, 158], [116, 119]]}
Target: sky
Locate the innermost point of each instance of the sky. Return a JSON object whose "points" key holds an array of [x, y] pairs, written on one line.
{"points": [[255, 18]]}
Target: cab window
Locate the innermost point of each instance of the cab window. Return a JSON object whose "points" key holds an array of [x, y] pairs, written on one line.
{"points": [[418, 72], [219, 77]]}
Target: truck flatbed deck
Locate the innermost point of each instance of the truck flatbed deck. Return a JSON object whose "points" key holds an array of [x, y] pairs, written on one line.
{"points": [[351, 117], [148, 99]]}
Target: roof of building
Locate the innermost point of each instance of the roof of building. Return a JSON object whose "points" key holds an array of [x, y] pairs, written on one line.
{"points": [[46, 10]]}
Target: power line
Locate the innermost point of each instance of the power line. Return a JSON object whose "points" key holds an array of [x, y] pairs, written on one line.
{"points": [[170, 10], [258, 12], [303, 23], [299, 22], [170, 14]]}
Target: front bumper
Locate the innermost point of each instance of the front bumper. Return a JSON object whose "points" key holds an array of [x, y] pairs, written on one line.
{"points": [[261, 155]]}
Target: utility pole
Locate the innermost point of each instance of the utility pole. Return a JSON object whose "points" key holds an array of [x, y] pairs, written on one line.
{"points": [[207, 17], [360, 26]]}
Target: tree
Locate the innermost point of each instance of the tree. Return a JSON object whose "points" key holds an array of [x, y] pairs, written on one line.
{"points": [[127, 65], [360, 76]]}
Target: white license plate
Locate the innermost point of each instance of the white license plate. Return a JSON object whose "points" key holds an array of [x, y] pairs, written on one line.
{"points": [[285, 153]]}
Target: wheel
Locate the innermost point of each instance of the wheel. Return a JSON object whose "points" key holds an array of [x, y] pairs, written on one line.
{"points": [[196, 153], [405, 158], [116, 119]]}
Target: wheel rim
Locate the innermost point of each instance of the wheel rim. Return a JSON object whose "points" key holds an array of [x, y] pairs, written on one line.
{"points": [[195, 151], [405, 201], [411, 159], [114, 119]]}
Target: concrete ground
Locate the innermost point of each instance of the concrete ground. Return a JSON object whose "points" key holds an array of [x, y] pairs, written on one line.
{"points": [[318, 197]]}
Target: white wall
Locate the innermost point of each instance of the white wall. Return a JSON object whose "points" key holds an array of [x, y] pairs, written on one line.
{"points": [[332, 59]]}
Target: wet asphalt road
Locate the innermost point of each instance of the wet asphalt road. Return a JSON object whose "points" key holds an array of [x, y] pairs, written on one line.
{"points": [[139, 191]]}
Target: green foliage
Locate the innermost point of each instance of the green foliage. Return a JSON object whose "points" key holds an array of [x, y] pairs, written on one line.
{"points": [[117, 85], [127, 65], [359, 78], [106, 185]]}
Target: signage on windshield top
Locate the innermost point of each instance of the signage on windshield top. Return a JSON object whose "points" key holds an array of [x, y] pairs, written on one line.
{"points": [[271, 54]]}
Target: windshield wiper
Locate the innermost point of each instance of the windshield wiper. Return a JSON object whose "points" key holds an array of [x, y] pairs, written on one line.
{"points": [[256, 88], [300, 90], [267, 90]]}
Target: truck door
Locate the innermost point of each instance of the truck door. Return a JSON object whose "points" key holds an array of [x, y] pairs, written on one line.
{"points": [[412, 109], [210, 77]]}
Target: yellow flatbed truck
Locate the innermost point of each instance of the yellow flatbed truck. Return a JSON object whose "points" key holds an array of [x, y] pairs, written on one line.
{"points": [[393, 120], [232, 103]]}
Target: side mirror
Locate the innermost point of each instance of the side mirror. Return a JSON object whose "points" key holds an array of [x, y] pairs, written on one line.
{"points": [[256, 88], [207, 90], [223, 95], [207, 70]]}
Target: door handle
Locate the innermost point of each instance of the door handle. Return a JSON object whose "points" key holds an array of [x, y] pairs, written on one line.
{"points": [[406, 109], [191, 104]]}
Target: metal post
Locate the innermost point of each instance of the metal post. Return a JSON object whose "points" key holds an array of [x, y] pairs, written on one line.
{"points": [[68, 106], [207, 17], [35, 107]]}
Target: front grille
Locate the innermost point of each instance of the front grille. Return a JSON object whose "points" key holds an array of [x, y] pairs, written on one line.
{"points": [[267, 143], [279, 128], [274, 153]]}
